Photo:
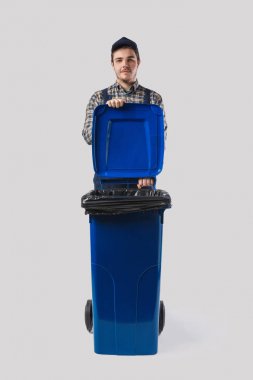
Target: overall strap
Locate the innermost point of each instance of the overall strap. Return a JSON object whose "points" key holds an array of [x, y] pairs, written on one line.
{"points": [[105, 95], [147, 99]]}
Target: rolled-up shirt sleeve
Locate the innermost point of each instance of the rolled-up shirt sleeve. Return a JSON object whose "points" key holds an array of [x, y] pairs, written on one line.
{"points": [[157, 99], [165, 122], [87, 128]]}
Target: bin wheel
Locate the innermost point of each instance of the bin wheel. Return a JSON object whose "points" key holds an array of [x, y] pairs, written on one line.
{"points": [[161, 317], [88, 316]]}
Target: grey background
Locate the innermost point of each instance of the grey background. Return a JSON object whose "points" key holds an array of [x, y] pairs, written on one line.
{"points": [[54, 55]]}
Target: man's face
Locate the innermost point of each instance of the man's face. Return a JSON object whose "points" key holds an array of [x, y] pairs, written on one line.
{"points": [[125, 65]]}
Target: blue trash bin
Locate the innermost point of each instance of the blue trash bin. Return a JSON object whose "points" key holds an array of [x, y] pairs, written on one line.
{"points": [[126, 231]]}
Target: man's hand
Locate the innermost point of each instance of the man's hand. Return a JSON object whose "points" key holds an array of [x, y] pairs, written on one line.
{"points": [[145, 182], [116, 103]]}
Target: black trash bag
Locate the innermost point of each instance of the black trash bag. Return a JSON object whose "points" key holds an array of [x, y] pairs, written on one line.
{"points": [[124, 201]]}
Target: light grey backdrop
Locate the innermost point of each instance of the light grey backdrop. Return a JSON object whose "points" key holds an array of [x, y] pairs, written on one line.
{"points": [[198, 55]]}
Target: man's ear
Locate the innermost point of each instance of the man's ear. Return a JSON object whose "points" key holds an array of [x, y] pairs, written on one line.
{"points": [[139, 62]]}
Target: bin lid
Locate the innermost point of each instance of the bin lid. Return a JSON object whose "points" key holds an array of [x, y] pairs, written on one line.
{"points": [[128, 142]]}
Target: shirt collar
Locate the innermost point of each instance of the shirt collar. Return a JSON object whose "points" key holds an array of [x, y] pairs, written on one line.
{"points": [[131, 89]]}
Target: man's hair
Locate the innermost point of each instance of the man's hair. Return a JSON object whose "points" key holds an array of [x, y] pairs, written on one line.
{"points": [[124, 43]]}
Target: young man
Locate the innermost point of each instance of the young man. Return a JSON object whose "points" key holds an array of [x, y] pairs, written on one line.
{"points": [[125, 60]]}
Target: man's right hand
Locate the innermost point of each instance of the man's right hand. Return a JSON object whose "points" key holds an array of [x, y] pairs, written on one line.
{"points": [[116, 103]]}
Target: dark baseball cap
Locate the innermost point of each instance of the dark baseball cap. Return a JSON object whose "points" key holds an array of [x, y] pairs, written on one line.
{"points": [[125, 42]]}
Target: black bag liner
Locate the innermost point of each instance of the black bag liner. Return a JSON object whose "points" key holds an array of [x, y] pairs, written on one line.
{"points": [[124, 201]]}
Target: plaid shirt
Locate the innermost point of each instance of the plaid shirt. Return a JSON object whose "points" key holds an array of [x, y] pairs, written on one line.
{"points": [[134, 95]]}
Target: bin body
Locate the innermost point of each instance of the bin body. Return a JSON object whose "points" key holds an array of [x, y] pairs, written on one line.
{"points": [[126, 233], [126, 268]]}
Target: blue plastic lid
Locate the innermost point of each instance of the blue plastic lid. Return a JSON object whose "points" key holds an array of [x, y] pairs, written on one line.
{"points": [[128, 142]]}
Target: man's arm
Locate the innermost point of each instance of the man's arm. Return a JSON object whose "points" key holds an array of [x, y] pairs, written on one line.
{"points": [[87, 128], [157, 99], [165, 122]]}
